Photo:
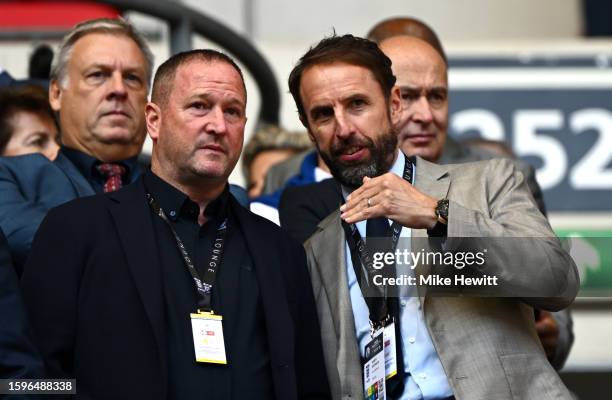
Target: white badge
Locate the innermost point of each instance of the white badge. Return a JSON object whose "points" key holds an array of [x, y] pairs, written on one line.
{"points": [[208, 338], [390, 352], [374, 369]]}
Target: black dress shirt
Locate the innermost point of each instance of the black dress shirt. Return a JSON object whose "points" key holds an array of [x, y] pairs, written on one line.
{"points": [[235, 297], [86, 165]]}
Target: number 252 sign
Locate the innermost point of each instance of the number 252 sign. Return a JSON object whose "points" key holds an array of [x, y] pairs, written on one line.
{"points": [[565, 133]]}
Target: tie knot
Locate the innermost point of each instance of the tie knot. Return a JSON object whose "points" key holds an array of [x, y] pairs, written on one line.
{"points": [[110, 169], [112, 172]]}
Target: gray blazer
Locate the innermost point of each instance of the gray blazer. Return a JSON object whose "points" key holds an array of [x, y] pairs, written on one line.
{"points": [[488, 346]]}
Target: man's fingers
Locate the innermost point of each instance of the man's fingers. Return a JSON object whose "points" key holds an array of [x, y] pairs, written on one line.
{"points": [[360, 199], [357, 215]]}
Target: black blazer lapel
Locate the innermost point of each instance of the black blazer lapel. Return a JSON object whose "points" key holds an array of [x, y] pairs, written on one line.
{"points": [[132, 218]]}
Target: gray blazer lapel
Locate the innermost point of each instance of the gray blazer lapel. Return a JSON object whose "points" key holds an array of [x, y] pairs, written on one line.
{"points": [[433, 180], [328, 247]]}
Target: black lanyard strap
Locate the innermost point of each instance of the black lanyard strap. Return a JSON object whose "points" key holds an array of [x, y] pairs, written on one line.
{"points": [[375, 296], [204, 286]]}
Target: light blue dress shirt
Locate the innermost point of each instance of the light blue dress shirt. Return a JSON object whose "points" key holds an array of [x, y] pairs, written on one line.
{"points": [[425, 377]]}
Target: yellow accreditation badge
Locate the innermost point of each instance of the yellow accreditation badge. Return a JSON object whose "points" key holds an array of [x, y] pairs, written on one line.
{"points": [[390, 351], [208, 340]]}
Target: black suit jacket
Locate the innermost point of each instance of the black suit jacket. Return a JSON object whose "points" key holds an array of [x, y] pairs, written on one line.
{"points": [[301, 208], [93, 287]]}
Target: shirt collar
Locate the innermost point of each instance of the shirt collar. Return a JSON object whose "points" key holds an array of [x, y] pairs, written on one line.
{"points": [[174, 202], [86, 163]]}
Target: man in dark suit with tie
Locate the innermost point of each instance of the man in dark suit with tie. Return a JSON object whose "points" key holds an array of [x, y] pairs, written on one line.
{"points": [[99, 84], [168, 288]]}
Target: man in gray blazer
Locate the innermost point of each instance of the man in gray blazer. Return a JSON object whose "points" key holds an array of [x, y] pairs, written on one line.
{"points": [[423, 132], [464, 347]]}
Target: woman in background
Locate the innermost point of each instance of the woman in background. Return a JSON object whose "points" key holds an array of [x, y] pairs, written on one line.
{"points": [[27, 123]]}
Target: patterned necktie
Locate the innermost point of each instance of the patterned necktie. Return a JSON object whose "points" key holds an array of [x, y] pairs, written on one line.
{"points": [[113, 173]]}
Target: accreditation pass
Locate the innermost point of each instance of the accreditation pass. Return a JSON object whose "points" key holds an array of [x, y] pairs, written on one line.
{"points": [[208, 338], [374, 369]]}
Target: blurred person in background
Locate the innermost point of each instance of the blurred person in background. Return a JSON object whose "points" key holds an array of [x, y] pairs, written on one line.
{"points": [[425, 132], [5, 78], [268, 146], [39, 65], [27, 123], [99, 84]]}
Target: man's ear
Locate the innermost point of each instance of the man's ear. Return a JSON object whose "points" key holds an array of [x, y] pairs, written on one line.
{"points": [[55, 95], [153, 118], [395, 105]]}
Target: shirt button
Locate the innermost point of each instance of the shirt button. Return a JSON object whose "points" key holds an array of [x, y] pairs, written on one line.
{"points": [[423, 376], [403, 303], [411, 340]]}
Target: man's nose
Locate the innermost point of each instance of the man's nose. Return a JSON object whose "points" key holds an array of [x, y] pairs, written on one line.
{"points": [[421, 110], [216, 123], [344, 125], [117, 86]]}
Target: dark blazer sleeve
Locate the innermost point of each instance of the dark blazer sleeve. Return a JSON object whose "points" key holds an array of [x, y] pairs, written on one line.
{"points": [[310, 370], [301, 208], [50, 285], [29, 186], [19, 357]]}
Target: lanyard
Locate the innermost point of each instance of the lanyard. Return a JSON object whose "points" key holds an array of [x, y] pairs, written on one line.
{"points": [[203, 285], [374, 296]]}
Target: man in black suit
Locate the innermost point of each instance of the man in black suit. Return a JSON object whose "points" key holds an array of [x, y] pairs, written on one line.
{"points": [[169, 288], [18, 356]]}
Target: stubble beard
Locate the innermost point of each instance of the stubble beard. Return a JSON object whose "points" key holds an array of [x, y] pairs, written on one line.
{"points": [[351, 174]]}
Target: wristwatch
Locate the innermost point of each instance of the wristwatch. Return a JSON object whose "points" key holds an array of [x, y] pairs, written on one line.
{"points": [[442, 211]]}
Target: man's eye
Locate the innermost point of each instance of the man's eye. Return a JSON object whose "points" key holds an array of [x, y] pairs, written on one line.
{"points": [[197, 106], [410, 96], [322, 115], [133, 79], [437, 98], [234, 112], [356, 103], [96, 76]]}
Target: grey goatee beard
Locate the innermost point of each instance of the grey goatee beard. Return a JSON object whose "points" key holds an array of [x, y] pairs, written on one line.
{"points": [[351, 174]]}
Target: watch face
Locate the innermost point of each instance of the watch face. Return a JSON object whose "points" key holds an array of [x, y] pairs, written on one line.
{"points": [[442, 208]]}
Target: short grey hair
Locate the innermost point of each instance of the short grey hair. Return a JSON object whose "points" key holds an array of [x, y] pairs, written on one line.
{"points": [[119, 27]]}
